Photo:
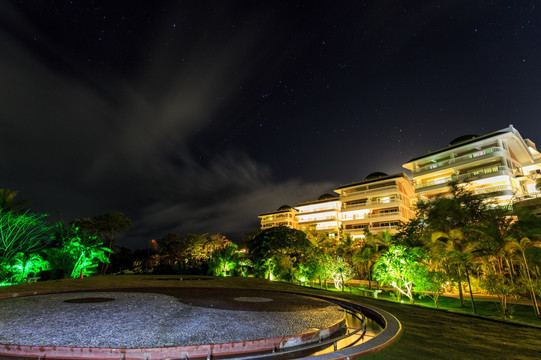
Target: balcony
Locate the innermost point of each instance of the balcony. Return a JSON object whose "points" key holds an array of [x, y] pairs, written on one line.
{"points": [[373, 229], [393, 214], [482, 173], [376, 229], [318, 210], [470, 176], [309, 220], [374, 204], [479, 155], [501, 190], [387, 189]]}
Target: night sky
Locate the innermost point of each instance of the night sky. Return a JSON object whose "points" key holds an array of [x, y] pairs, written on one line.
{"points": [[197, 116]]}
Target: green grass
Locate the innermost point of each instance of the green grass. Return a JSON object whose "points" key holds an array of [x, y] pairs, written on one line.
{"points": [[428, 333]]}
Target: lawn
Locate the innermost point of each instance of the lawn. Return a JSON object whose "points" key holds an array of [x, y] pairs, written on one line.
{"points": [[428, 333]]}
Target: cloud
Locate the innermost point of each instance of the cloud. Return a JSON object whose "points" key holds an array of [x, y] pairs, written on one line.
{"points": [[233, 190], [84, 144]]}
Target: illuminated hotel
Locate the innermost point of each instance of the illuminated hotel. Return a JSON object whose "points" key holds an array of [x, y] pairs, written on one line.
{"points": [[284, 216], [379, 202], [501, 165], [322, 214]]}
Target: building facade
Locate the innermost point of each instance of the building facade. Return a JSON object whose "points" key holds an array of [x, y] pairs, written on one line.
{"points": [[284, 216], [322, 214], [380, 202], [502, 166]]}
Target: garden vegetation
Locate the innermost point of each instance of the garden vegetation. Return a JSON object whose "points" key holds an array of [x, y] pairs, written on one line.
{"points": [[458, 243]]}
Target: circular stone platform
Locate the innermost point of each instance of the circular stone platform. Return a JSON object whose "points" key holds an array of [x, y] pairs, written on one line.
{"points": [[162, 318]]}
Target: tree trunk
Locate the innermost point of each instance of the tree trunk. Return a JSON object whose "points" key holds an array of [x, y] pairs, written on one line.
{"points": [[369, 276], [532, 291], [471, 293], [460, 293]]}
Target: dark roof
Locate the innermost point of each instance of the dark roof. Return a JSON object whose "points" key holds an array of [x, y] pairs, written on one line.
{"points": [[275, 212], [375, 175], [327, 196], [284, 207], [462, 138], [368, 181], [460, 141], [323, 198]]}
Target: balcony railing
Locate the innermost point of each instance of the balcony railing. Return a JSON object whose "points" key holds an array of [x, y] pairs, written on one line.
{"points": [[372, 229], [493, 189], [478, 173], [394, 202], [370, 191], [394, 213], [318, 210], [326, 218], [490, 151], [484, 171], [383, 228]]}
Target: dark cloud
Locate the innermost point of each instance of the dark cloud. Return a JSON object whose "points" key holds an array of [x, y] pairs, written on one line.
{"points": [[81, 147]]}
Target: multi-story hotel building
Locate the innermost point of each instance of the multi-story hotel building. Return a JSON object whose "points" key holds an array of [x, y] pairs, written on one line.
{"points": [[284, 216], [379, 202], [501, 165], [322, 214]]}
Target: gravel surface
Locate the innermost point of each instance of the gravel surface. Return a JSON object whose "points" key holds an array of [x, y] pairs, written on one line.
{"points": [[146, 319]]}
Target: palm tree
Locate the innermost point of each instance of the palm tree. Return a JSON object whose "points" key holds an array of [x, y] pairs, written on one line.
{"points": [[521, 246], [459, 252], [224, 259], [373, 247]]}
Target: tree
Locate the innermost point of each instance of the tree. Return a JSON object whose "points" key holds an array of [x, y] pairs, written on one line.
{"points": [[105, 226], [372, 248], [525, 234], [22, 266], [76, 252], [341, 272], [398, 267], [458, 253], [224, 260], [275, 247], [521, 246], [452, 224], [430, 282], [21, 233]]}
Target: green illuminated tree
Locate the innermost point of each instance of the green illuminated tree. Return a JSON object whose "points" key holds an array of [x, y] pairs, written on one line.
{"points": [[106, 226], [24, 265], [398, 267], [224, 260], [21, 233], [76, 252]]}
